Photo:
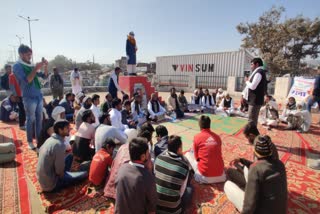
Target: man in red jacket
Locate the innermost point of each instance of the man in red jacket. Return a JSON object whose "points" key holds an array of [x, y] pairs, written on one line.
{"points": [[206, 157], [16, 91]]}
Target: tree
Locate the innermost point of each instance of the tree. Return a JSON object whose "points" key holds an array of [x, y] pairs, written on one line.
{"points": [[282, 44], [62, 63]]}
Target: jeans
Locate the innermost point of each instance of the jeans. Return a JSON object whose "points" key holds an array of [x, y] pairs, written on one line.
{"points": [[70, 178], [253, 113], [33, 109], [22, 113], [186, 199], [311, 101]]}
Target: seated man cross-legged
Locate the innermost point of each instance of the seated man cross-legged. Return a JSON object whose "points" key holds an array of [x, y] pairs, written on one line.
{"points": [[53, 169], [206, 157], [266, 189], [155, 110]]}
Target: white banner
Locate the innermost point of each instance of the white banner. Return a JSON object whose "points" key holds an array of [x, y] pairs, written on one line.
{"points": [[301, 88]]}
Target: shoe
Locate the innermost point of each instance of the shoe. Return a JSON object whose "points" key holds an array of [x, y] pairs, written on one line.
{"points": [[22, 128], [31, 146]]}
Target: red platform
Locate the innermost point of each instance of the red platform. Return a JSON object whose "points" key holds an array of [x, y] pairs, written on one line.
{"points": [[130, 83]]}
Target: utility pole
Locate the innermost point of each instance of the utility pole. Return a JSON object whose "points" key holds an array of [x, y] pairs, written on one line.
{"points": [[29, 20], [20, 38]]}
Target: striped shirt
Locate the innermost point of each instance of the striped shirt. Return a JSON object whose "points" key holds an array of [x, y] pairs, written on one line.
{"points": [[171, 173], [29, 90]]}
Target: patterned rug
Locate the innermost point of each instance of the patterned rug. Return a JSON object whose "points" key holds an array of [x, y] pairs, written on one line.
{"points": [[14, 192]]}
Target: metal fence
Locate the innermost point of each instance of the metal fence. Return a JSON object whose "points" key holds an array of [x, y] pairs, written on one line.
{"points": [[212, 82], [173, 80]]}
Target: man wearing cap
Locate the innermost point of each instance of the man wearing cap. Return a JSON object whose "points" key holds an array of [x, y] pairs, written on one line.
{"points": [[114, 87], [219, 96], [266, 188], [131, 49], [53, 169], [28, 75], [256, 87], [9, 110]]}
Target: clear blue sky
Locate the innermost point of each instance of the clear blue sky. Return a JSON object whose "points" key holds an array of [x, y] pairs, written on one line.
{"points": [[79, 29]]}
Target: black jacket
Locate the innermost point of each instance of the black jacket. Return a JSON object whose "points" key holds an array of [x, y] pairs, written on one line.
{"points": [[256, 97], [266, 191]]}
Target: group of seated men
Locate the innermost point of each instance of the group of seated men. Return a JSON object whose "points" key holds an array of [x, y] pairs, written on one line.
{"points": [[147, 177], [113, 143]]}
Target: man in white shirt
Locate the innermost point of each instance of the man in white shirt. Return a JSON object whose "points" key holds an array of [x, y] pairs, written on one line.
{"points": [[95, 109], [155, 110], [114, 83], [208, 102], [256, 85], [76, 81], [219, 96], [105, 130], [115, 115], [226, 105]]}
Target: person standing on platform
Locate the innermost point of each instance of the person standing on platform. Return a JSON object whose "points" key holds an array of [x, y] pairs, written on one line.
{"points": [[114, 83], [27, 75], [131, 49], [16, 91], [76, 81], [56, 84], [256, 85], [5, 78]]}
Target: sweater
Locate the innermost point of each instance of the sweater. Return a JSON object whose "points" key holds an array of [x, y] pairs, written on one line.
{"points": [[135, 190], [207, 152], [266, 190], [171, 173]]}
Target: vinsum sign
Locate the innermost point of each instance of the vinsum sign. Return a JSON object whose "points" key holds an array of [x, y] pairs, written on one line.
{"points": [[193, 67]]}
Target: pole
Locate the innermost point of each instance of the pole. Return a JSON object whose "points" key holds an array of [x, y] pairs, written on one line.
{"points": [[30, 35]]}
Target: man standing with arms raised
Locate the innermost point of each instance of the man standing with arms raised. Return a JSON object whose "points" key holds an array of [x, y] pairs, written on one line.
{"points": [[256, 87], [27, 75]]}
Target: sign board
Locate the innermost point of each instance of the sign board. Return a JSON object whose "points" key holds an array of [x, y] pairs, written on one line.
{"points": [[141, 69], [301, 88]]}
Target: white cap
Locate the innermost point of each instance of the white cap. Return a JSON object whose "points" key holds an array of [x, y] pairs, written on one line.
{"points": [[220, 90]]}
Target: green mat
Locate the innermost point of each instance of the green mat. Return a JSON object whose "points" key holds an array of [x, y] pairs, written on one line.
{"points": [[219, 124]]}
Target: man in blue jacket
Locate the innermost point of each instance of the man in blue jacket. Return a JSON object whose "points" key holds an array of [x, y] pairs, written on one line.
{"points": [[316, 92], [131, 49]]}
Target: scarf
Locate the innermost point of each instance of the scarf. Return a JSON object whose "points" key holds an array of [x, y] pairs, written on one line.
{"points": [[132, 41], [292, 106], [28, 69], [137, 107]]}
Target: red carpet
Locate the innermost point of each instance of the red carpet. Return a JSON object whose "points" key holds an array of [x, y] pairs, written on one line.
{"points": [[303, 183], [14, 191]]}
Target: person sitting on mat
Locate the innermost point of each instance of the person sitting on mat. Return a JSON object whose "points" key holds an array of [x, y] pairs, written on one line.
{"points": [[53, 168], [135, 185], [240, 176], [219, 96], [290, 108], [226, 105], [67, 104], [206, 156], [9, 109], [269, 114], [196, 102], [101, 162], [126, 115], [123, 157], [266, 189], [115, 115], [162, 138], [107, 103], [174, 105], [183, 101], [172, 173], [83, 147], [299, 120], [155, 110], [86, 105], [208, 102], [137, 111]]}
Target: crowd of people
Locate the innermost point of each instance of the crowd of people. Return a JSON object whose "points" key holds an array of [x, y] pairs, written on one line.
{"points": [[113, 141]]}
